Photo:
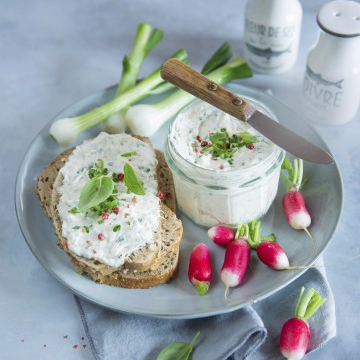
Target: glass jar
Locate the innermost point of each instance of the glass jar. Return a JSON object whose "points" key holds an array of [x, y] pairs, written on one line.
{"points": [[210, 196]]}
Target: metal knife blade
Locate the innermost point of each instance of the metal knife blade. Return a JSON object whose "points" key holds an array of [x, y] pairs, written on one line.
{"points": [[186, 78]]}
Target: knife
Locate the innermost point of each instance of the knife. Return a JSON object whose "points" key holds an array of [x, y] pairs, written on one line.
{"points": [[186, 78]]}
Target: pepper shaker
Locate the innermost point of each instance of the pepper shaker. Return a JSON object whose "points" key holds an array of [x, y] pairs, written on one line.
{"points": [[271, 34], [331, 86]]}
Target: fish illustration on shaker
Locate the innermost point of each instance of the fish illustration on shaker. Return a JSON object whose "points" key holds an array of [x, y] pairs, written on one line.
{"points": [[320, 80], [267, 53]]}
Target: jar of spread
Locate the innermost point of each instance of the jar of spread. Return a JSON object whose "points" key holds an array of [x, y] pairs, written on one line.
{"points": [[224, 171], [331, 86], [271, 34]]}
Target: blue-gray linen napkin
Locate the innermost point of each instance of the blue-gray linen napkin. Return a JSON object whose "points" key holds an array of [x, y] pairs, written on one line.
{"points": [[250, 333]]}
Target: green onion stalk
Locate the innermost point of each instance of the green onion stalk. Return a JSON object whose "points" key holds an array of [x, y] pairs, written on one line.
{"points": [[65, 131], [220, 57], [146, 119], [145, 40], [117, 123]]}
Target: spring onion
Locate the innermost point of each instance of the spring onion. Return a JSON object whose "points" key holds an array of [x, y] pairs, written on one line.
{"points": [[65, 131], [146, 119], [145, 40], [117, 123]]}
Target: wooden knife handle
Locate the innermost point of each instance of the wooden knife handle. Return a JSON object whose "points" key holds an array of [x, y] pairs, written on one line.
{"points": [[186, 78]]}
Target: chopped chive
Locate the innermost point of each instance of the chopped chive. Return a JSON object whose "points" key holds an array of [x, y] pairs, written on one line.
{"points": [[127, 154], [116, 228]]}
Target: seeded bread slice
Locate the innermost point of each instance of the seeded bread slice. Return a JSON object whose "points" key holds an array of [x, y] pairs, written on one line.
{"points": [[171, 231], [149, 259]]}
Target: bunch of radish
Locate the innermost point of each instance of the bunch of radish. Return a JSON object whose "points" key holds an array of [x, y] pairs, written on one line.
{"points": [[295, 333], [238, 247], [236, 260]]}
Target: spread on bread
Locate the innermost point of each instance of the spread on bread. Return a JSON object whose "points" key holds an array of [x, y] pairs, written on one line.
{"points": [[109, 235]]}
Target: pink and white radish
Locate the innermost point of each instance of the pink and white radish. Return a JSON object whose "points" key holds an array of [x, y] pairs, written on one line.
{"points": [[267, 250], [199, 271], [236, 261], [293, 203], [273, 255], [295, 333], [221, 235], [295, 209]]}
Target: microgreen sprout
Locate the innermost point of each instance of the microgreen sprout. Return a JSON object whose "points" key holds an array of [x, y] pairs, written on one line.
{"points": [[223, 146]]}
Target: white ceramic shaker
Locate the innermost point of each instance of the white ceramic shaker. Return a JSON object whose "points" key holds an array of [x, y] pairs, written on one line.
{"points": [[331, 88], [271, 34]]}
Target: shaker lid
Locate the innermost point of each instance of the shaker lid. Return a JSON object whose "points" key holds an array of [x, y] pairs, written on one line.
{"points": [[340, 18]]}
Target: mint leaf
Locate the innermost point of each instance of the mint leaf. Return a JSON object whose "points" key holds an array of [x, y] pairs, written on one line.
{"points": [[131, 181], [177, 350], [95, 191]]}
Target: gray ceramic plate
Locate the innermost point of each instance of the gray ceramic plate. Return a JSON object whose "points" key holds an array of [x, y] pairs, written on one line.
{"points": [[178, 298]]}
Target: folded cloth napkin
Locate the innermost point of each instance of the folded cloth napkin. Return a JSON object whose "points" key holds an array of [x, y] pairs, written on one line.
{"points": [[250, 333]]}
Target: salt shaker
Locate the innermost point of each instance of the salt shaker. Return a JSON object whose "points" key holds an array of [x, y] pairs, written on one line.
{"points": [[271, 34], [331, 87]]}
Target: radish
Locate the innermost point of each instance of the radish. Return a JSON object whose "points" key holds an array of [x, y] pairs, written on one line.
{"points": [[267, 250], [273, 255], [200, 272], [295, 210], [293, 202], [295, 333], [221, 235], [237, 256]]}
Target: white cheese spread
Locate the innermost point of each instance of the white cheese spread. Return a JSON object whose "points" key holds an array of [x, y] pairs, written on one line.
{"points": [[110, 238], [203, 119]]}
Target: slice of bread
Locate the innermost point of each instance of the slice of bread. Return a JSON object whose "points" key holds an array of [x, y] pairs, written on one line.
{"points": [[147, 267], [124, 277]]}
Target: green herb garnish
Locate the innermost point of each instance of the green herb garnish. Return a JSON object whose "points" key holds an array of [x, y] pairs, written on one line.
{"points": [[128, 154], [116, 228], [131, 181], [177, 350], [97, 169], [95, 191], [222, 146]]}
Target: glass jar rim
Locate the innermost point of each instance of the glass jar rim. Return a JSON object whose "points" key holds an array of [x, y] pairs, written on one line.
{"points": [[266, 163]]}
